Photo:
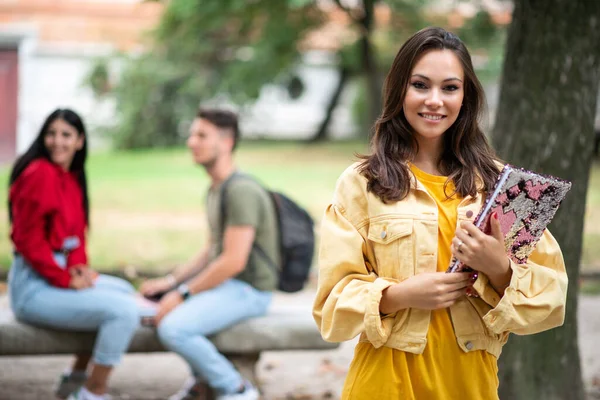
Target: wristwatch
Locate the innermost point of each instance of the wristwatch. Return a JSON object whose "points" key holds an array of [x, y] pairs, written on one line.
{"points": [[184, 291]]}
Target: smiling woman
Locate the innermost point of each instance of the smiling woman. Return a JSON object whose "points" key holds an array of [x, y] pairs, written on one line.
{"points": [[396, 220], [50, 281], [62, 141], [434, 96]]}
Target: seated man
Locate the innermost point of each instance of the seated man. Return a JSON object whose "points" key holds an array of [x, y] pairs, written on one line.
{"points": [[228, 281]]}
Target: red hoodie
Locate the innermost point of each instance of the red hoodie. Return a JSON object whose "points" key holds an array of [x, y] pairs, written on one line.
{"points": [[47, 207]]}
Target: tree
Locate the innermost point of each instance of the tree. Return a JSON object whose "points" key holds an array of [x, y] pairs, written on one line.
{"points": [[232, 48], [545, 123], [202, 50]]}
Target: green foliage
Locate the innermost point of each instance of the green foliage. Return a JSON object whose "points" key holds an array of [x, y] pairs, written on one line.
{"points": [[154, 96], [202, 50], [230, 49], [359, 110], [98, 77]]}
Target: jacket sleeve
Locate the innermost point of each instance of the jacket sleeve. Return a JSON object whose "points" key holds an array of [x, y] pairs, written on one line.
{"points": [[33, 199], [79, 255], [349, 290], [536, 297]]}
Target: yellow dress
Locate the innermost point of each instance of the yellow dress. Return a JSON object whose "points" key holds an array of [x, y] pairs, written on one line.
{"points": [[443, 371]]}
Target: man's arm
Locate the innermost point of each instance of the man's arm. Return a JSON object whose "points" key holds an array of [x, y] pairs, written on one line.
{"points": [[237, 245], [165, 283], [193, 266]]}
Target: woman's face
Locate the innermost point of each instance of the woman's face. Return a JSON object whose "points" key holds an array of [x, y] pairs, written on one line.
{"points": [[62, 141], [434, 95]]}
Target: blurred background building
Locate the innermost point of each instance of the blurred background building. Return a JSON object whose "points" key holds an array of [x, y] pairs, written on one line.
{"points": [[49, 49]]}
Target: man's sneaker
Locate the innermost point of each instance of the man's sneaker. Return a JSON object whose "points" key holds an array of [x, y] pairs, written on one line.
{"points": [[80, 394], [192, 389], [249, 392], [68, 383]]}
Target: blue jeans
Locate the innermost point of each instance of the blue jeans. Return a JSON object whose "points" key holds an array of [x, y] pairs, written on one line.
{"points": [[109, 308], [185, 329]]}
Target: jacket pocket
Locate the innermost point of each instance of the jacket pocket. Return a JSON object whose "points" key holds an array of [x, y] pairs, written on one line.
{"points": [[392, 243]]}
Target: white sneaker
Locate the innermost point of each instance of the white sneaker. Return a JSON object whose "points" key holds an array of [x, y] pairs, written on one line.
{"points": [[79, 394], [249, 393], [192, 389], [68, 383]]}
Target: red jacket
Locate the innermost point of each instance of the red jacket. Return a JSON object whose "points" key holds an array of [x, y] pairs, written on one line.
{"points": [[47, 207]]}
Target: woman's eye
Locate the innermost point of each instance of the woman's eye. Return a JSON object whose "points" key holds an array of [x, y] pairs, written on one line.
{"points": [[451, 88], [419, 85]]}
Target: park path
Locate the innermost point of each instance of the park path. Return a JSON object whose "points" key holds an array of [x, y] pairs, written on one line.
{"points": [[284, 375]]}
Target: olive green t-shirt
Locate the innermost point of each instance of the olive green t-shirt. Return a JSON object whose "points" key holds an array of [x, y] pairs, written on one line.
{"points": [[248, 204]]}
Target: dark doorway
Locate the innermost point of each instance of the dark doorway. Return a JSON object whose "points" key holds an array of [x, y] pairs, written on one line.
{"points": [[9, 92]]}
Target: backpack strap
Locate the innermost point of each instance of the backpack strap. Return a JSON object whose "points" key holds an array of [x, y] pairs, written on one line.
{"points": [[255, 246]]}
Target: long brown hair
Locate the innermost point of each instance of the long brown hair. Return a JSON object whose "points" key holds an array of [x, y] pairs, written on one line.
{"points": [[467, 158], [38, 150]]}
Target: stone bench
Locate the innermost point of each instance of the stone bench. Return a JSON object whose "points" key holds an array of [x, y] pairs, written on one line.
{"points": [[284, 328]]}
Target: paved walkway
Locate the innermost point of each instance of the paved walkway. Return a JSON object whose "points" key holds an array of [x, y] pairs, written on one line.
{"points": [[284, 375]]}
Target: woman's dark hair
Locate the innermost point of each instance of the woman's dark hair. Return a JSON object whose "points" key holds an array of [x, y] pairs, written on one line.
{"points": [[467, 158], [38, 150]]}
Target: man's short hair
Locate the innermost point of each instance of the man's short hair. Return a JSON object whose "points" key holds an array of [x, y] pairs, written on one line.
{"points": [[222, 119]]}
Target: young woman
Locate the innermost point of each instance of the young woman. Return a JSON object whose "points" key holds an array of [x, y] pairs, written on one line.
{"points": [[50, 282], [395, 222]]}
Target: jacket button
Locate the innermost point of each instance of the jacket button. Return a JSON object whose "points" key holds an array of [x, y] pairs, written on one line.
{"points": [[469, 345], [383, 234]]}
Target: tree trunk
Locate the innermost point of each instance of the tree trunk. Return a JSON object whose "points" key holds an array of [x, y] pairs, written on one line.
{"points": [[321, 134], [545, 123], [369, 63]]}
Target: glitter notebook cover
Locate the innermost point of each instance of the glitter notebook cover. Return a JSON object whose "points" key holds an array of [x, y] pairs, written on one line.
{"points": [[525, 202]]}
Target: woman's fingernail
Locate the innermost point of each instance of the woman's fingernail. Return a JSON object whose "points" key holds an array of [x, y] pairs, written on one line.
{"points": [[495, 215]]}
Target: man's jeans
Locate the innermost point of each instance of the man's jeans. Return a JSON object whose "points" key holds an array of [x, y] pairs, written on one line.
{"points": [[109, 308], [184, 330]]}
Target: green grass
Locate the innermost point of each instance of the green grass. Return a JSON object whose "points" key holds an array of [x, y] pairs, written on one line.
{"points": [[148, 206]]}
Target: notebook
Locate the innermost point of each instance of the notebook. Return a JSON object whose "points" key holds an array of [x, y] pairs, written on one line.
{"points": [[525, 202]]}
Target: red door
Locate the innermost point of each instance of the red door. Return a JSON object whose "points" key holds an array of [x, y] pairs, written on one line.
{"points": [[9, 78]]}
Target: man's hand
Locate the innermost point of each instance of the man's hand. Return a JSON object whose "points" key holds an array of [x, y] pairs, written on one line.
{"points": [[427, 291], [167, 304], [154, 286]]}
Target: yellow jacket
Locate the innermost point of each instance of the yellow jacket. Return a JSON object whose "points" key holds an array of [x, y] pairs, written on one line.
{"points": [[366, 246]]}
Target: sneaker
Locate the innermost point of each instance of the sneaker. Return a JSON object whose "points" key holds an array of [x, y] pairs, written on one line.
{"points": [[68, 383], [249, 392], [79, 394], [192, 389]]}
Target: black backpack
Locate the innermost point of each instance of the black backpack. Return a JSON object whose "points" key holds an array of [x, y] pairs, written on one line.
{"points": [[296, 238]]}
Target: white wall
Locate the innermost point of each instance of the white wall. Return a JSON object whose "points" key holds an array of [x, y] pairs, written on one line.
{"points": [[276, 115], [52, 77], [55, 79]]}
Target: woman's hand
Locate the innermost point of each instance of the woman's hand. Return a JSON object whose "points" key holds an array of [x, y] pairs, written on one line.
{"points": [[484, 253], [428, 291], [154, 286], [86, 272], [80, 278]]}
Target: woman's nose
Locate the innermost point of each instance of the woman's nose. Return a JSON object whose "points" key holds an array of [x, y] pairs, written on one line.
{"points": [[434, 100]]}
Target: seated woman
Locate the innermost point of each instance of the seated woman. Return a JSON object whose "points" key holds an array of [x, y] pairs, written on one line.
{"points": [[50, 283]]}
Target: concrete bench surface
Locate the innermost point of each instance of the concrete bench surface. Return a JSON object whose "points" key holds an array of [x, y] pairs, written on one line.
{"points": [[281, 329]]}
